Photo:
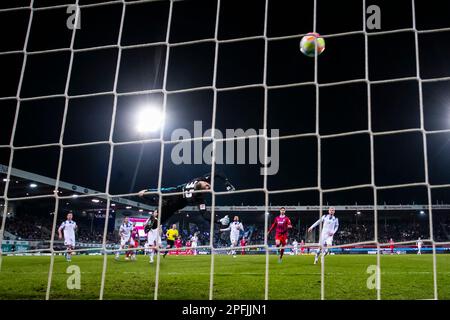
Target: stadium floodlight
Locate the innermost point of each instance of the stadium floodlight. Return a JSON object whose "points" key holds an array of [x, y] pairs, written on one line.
{"points": [[127, 207], [33, 185], [149, 119], [113, 205], [95, 200], [74, 196], [5, 180], [422, 212], [358, 212]]}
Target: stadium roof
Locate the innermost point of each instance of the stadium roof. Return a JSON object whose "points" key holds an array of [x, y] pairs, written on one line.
{"points": [[46, 185]]}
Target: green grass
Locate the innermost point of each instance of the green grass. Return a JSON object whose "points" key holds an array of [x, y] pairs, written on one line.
{"points": [[240, 278]]}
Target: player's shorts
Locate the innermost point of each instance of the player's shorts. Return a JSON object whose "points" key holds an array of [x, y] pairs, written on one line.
{"points": [[194, 245], [234, 238], [326, 240], [124, 241], [282, 238], [152, 237], [69, 242], [133, 243], [170, 242]]}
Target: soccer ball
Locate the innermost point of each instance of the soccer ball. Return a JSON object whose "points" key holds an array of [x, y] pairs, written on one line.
{"points": [[307, 44], [225, 220]]}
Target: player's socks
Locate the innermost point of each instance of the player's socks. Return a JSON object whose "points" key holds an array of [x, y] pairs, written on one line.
{"points": [[316, 258], [278, 250], [281, 253]]}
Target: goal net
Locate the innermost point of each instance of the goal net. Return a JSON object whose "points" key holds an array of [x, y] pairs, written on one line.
{"points": [[103, 99]]}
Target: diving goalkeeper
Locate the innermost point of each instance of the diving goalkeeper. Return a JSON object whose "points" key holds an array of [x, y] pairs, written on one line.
{"points": [[172, 203]]}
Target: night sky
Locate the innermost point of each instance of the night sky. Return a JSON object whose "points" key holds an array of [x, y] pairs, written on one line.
{"points": [[399, 158]]}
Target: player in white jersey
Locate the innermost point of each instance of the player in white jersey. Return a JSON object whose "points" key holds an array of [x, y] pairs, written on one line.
{"points": [[295, 245], [419, 246], [194, 243], [68, 227], [235, 228], [153, 234], [329, 228], [125, 235]]}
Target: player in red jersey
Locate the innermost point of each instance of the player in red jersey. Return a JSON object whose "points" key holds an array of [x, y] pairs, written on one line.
{"points": [[134, 242], [188, 246], [302, 247], [391, 245], [178, 244], [243, 243], [281, 225]]}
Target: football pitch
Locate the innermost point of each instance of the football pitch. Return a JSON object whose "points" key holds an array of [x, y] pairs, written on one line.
{"points": [[242, 278]]}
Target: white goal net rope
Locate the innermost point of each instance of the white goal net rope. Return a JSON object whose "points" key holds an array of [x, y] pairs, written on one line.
{"points": [[213, 87]]}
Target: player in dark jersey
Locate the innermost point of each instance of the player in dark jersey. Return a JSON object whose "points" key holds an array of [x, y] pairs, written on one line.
{"points": [[172, 203], [153, 235]]}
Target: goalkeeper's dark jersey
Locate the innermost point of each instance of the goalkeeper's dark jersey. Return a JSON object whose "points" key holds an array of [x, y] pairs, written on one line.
{"points": [[172, 203], [187, 198], [151, 224]]}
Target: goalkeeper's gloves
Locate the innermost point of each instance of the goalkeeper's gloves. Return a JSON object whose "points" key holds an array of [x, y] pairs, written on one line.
{"points": [[229, 186]]}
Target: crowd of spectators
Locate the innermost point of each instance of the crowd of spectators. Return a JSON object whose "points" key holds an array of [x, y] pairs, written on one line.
{"points": [[28, 227], [38, 227]]}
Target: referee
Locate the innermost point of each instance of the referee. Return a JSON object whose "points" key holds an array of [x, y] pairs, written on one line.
{"points": [[171, 234]]}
